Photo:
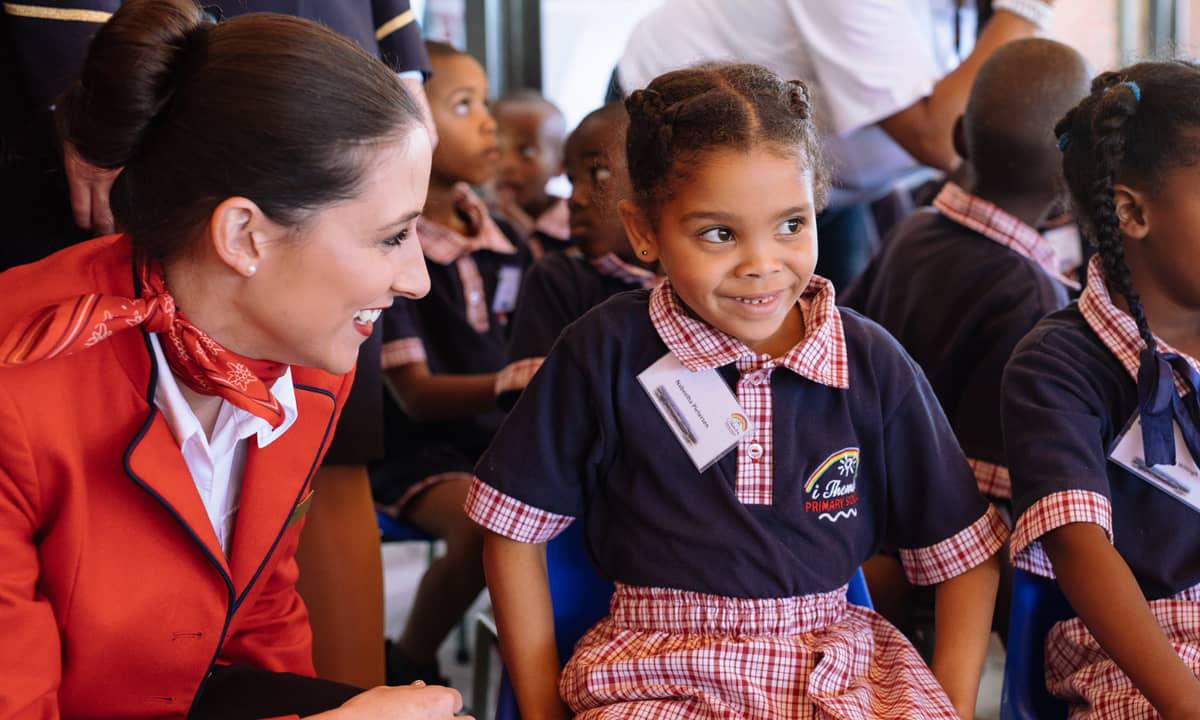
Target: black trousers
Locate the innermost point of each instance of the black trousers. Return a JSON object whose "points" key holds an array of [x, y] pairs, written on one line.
{"points": [[239, 692]]}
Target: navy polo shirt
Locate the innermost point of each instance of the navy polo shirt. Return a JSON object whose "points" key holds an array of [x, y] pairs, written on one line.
{"points": [[557, 290], [585, 441], [452, 345], [959, 303], [1066, 400]]}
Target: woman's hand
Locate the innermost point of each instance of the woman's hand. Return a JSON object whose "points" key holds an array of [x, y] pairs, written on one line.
{"points": [[411, 702]]}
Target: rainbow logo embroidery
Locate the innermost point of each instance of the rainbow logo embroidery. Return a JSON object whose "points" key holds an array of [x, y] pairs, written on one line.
{"points": [[737, 423], [846, 461]]}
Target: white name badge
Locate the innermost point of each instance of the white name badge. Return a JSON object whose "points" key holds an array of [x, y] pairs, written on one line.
{"points": [[699, 408], [508, 283], [1181, 480]]}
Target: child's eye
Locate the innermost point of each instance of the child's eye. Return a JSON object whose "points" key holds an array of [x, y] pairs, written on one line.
{"points": [[717, 235], [601, 174], [462, 107], [791, 226], [529, 152]]}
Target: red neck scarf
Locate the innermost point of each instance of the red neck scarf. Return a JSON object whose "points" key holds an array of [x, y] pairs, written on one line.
{"points": [[196, 359]]}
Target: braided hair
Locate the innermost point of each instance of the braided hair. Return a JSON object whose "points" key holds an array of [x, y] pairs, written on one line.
{"points": [[684, 113], [1133, 126]]}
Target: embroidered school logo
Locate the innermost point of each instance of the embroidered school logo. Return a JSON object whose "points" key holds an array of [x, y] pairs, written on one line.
{"points": [[737, 424], [831, 488]]}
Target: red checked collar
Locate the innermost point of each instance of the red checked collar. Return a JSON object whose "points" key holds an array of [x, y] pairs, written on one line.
{"points": [[1001, 227], [820, 356], [1116, 328]]}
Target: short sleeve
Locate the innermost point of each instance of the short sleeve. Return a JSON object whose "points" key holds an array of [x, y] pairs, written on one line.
{"points": [[1054, 431], [402, 336], [936, 516], [530, 482], [398, 33], [872, 58]]}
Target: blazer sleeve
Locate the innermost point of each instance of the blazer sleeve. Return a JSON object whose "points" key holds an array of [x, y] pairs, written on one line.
{"points": [[30, 655]]}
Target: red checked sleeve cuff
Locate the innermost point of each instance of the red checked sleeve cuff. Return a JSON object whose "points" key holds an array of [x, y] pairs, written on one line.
{"points": [[956, 554], [404, 351], [517, 375], [1049, 513], [992, 479], [507, 516]]}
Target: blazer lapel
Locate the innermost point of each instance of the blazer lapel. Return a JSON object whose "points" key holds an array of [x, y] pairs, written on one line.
{"points": [[276, 481]]}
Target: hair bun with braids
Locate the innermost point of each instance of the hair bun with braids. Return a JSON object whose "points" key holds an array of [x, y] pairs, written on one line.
{"points": [[799, 99]]}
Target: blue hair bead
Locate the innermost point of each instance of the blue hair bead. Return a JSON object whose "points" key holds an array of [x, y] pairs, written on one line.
{"points": [[1137, 91], [1064, 141]]}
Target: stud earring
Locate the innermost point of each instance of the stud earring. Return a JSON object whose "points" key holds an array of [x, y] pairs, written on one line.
{"points": [[645, 252], [251, 269]]}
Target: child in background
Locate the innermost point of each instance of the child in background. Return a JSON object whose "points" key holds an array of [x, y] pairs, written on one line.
{"points": [[1092, 508], [561, 287], [731, 566], [530, 132], [959, 284], [440, 356]]}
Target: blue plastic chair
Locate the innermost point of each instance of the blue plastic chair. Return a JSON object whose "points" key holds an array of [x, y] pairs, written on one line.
{"points": [[581, 599], [1037, 604]]}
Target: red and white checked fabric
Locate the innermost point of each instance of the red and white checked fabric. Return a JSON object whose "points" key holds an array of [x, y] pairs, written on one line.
{"points": [[515, 376], [820, 357], [609, 265], [1117, 329], [958, 553], [445, 246], [402, 352], [396, 509], [666, 654], [1079, 671], [555, 221], [1054, 511], [999, 226], [508, 516], [992, 479]]}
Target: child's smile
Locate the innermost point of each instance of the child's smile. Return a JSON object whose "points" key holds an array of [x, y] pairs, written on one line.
{"points": [[738, 241]]}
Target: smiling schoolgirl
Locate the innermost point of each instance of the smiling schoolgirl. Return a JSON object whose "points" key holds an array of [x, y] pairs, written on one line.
{"points": [[731, 567]]}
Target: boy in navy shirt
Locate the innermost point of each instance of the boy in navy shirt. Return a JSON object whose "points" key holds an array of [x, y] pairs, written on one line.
{"points": [[960, 283], [561, 287], [531, 130]]}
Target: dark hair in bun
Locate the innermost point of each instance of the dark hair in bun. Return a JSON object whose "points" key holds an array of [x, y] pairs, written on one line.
{"points": [[683, 113], [268, 107]]}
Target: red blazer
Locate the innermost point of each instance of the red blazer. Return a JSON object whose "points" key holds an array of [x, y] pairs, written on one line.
{"points": [[115, 596]]}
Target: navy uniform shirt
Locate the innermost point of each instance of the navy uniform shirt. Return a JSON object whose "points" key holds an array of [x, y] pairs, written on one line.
{"points": [[858, 453], [959, 299], [558, 289], [1068, 395], [441, 330]]}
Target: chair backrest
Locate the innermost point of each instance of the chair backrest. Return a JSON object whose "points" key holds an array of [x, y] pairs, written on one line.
{"points": [[581, 599], [1037, 604]]}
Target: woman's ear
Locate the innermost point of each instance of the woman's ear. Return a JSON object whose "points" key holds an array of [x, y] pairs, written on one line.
{"points": [[1131, 210], [639, 231], [236, 233]]}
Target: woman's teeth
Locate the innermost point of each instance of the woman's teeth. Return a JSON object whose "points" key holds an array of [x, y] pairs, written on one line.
{"points": [[362, 317]]}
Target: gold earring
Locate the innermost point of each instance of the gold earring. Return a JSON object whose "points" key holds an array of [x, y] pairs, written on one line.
{"points": [[645, 252]]}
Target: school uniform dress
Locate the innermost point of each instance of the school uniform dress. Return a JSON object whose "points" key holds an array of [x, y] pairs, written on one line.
{"points": [[959, 284], [557, 290], [126, 579], [1069, 391], [460, 327], [730, 583]]}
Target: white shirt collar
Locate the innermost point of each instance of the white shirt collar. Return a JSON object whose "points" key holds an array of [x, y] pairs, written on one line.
{"points": [[184, 424]]}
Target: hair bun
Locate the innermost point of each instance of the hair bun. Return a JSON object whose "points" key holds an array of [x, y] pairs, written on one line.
{"points": [[798, 99], [647, 105], [133, 69]]}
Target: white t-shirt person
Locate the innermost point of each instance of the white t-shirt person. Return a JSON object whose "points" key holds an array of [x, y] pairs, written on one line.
{"points": [[866, 61]]}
